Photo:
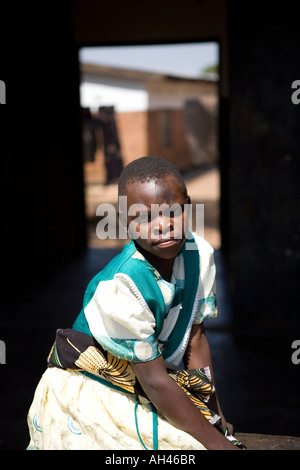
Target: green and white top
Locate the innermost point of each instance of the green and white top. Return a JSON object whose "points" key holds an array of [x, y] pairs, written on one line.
{"points": [[138, 316]]}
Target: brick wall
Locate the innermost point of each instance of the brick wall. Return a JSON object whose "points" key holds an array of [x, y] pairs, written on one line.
{"points": [[167, 137], [133, 137], [133, 133], [165, 133]]}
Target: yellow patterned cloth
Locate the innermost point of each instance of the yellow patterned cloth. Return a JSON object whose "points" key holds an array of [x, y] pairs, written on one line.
{"points": [[71, 411], [74, 350], [87, 399]]}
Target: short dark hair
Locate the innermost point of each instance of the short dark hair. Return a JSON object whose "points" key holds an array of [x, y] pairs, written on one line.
{"points": [[150, 168]]}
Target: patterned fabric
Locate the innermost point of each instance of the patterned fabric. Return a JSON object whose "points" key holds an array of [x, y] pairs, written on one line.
{"points": [[71, 411], [198, 386], [74, 350], [77, 351]]}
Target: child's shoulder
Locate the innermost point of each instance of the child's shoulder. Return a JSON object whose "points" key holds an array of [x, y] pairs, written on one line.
{"points": [[203, 245]]}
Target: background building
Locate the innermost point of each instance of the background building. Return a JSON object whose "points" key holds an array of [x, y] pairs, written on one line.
{"points": [[130, 113]]}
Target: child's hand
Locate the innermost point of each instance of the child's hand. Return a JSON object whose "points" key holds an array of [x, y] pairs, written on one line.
{"points": [[227, 426], [230, 428]]}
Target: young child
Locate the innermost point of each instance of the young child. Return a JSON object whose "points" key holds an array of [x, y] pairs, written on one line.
{"points": [[135, 371]]}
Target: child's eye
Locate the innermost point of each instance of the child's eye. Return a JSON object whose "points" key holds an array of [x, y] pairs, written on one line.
{"points": [[144, 217], [176, 211]]}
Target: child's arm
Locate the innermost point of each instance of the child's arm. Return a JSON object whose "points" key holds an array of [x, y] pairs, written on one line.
{"points": [[171, 401], [198, 355]]}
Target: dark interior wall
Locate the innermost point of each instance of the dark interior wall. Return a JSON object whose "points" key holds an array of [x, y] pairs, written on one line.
{"points": [[40, 139], [95, 22], [264, 172]]}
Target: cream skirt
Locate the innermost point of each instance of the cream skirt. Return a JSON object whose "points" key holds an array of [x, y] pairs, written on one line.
{"points": [[73, 412]]}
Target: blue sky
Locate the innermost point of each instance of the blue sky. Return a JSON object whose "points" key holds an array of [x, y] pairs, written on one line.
{"points": [[187, 59]]}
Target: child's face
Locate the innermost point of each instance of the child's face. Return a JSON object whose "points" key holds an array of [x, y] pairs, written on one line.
{"points": [[158, 231]]}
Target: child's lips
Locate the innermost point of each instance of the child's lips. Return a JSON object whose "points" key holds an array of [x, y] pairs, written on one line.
{"points": [[166, 242]]}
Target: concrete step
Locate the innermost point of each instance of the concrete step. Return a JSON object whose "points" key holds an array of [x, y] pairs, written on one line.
{"points": [[268, 442]]}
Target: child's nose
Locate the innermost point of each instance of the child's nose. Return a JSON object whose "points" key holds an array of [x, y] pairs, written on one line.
{"points": [[162, 224]]}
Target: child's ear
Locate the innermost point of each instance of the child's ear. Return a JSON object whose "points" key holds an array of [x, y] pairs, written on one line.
{"points": [[189, 208]]}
